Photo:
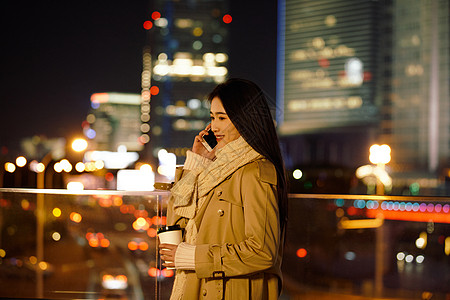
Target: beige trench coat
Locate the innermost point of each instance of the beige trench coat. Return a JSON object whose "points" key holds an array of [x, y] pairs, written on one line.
{"points": [[239, 247]]}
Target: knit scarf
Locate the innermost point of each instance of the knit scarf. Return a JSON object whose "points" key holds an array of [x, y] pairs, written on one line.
{"points": [[190, 191]]}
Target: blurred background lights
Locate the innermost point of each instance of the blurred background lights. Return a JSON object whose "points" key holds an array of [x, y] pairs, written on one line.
{"points": [[99, 164], [56, 236], [10, 167], [420, 243], [447, 246], [90, 133], [154, 90], [80, 167], [194, 104], [197, 45], [56, 212], [221, 57], [297, 174], [66, 165], [146, 168], [420, 259], [79, 145], [350, 255], [148, 25], [75, 186], [40, 167], [301, 252], [401, 256], [409, 258], [43, 265], [161, 22], [21, 161], [354, 71], [75, 217], [380, 154], [156, 15], [90, 118], [227, 19]]}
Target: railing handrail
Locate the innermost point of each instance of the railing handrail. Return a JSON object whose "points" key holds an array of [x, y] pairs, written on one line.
{"points": [[83, 192], [165, 192]]}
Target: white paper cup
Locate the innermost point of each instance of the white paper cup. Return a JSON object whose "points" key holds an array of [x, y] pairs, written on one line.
{"points": [[170, 235]]}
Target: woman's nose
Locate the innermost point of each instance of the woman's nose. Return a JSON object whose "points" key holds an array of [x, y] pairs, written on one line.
{"points": [[214, 128]]}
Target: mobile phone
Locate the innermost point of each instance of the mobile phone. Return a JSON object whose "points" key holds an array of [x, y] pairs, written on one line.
{"points": [[209, 141]]}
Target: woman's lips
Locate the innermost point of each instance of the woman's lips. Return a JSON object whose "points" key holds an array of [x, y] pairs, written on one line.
{"points": [[219, 137]]}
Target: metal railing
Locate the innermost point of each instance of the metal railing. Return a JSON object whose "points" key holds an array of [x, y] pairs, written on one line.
{"points": [[100, 244]]}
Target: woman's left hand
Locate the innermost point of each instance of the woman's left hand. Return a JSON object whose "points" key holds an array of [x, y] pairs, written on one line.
{"points": [[167, 252]]}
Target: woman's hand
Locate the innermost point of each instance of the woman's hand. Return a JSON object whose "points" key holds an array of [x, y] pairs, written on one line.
{"points": [[198, 146], [167, 252]]}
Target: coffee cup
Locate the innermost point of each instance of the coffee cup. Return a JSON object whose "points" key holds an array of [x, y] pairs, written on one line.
{"points": [[170, 235]]}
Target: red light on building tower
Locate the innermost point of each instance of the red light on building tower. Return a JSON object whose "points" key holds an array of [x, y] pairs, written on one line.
{"points": [[156, 15], [148, 25], [227, 19]]}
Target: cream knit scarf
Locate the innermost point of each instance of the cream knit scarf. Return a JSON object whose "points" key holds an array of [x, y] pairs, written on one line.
{"points": [[190, 191]]}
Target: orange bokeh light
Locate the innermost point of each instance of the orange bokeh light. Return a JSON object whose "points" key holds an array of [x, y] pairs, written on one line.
{"points": [[154, 90], [143, 246], [302, 252], [132, 245]]}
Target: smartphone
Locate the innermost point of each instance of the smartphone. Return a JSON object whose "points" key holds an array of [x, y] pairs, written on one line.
{"points": [[209, 141]]}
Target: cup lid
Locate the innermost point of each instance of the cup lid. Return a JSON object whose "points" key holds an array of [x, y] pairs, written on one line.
{"points": [[169, 228]]}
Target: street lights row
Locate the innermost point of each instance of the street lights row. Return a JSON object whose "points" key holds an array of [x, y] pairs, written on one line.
{"points": [[78, 145]]}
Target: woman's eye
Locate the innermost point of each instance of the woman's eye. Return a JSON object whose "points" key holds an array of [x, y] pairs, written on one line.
{"points": [[221, 118], [211, 118]]}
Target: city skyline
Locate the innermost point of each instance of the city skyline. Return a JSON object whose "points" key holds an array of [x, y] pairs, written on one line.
{"points": [[59, 56]]}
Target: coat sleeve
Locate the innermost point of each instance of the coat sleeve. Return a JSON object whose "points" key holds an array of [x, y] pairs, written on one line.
{"points": [[258, 251]]}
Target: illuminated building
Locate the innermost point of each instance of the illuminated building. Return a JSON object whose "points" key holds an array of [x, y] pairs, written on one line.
{"points": [[352, 73], [113, 121], [418, 130], [329, 79], [185, 59]]}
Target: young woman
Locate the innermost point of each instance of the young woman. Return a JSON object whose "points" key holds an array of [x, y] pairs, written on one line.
{"points": [[231, 203]]}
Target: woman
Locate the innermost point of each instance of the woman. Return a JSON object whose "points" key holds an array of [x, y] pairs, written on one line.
{"points": [[231, 202]]}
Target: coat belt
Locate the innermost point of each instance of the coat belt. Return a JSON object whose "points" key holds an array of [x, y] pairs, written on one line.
{"points": [[218, 274]]}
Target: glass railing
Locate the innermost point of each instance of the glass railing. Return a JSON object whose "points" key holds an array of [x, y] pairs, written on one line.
{"points": [[102, 245]]}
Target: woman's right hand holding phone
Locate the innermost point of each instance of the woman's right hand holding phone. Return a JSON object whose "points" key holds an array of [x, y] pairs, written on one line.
{"points": [[198, 145]]}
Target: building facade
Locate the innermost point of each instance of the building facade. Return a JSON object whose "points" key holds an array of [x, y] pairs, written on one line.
{"points": [[113, 121], [185, 59], [355, 73], [418, 130], [330, 73]]}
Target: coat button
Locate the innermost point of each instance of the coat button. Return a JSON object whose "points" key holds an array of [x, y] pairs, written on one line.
{"points": [[204, 292], [219, 193], [220, 212]]}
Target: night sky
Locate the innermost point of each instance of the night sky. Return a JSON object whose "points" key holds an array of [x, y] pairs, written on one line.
{"points": [[55, 54]]}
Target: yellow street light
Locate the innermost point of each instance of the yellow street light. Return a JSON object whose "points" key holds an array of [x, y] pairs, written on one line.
{"points": [[80, 167], [79, 145], [10, 167], [21, 161], [380, 154]]}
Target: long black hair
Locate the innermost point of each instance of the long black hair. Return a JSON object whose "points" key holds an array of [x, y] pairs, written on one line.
{"points": [[247, 107]]}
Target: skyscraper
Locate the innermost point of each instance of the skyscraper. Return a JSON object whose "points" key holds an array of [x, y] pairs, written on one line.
{"points": [[113, 121], [419, 130], [355, 73], [329, 75], [186, 57]]}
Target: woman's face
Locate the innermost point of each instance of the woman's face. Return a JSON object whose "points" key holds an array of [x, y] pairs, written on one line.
{"points": [[221, 124]]}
